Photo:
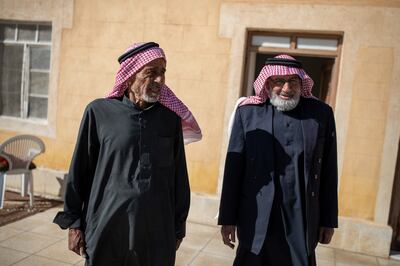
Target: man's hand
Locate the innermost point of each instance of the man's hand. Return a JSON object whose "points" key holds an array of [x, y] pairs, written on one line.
{"points": [[178, 243], [76, 242], [325, 235], [228, 235]]}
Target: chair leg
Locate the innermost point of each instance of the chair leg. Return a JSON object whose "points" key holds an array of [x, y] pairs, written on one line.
{"points": [[24, 184], [2, 188], [31, 195]]}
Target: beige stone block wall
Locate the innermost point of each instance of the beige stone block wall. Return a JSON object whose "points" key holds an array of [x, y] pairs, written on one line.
{"points": [[204, 42], [365, 135], [362, 236], [367, 102], [388, 3], [203, 209], [59, 14], [46, 183], [197, 69]]}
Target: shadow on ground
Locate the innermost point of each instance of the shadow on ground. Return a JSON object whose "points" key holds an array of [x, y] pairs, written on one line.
{"points": [[17, 207]]}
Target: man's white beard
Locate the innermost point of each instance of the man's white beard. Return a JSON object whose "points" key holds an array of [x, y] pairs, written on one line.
{"points": [[150, 99], [284, 105]]}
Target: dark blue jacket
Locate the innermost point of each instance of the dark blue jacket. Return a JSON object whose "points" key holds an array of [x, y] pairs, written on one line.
{"points": [[248, 189]]}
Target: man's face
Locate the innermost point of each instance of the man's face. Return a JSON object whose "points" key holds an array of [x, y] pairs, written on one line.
{"points": [[284, 91], [146, 84]]}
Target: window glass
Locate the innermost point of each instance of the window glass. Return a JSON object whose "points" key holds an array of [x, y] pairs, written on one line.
{"points": [[317, 44], [25, 52], [7, 31], [39, 83], [26, 32], [44, 33], [37, 107], [271, 41], [40, 57], [10, 79]]}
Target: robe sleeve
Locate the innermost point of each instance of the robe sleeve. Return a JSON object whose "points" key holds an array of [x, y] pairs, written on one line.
{"points": [[80, 175], [233, 174], [328, 196], [182, 189]]}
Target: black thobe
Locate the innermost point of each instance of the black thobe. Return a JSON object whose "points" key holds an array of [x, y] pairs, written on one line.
{"points": [[289, 184], [127, 186], [294, 174], [285, 243]]}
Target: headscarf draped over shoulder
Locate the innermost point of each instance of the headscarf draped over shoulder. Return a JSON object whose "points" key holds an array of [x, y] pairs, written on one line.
{"points": [[134, 58]]}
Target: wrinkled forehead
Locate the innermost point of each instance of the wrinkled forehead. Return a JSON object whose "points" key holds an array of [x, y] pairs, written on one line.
{"points": [[158, 62], [286, 77]]}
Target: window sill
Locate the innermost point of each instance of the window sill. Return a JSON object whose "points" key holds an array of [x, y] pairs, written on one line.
{"points": [[27, 126]]}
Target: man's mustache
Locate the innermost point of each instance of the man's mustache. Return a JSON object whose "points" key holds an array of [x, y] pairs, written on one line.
{"points": [[286, 94], [154, 87]]}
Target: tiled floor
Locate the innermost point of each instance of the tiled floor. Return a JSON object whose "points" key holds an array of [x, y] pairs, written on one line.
{"points": [[35, 241]]}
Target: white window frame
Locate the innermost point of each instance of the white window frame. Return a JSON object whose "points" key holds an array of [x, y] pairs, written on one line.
{"points": [[60, 15], [25, 79]]}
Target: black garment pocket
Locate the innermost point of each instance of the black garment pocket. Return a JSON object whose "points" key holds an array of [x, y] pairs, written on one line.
{"points": [[165, 151]]}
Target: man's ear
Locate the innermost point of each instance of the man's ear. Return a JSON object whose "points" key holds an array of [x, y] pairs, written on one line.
{"points": [[268, 86], [131, 80]]}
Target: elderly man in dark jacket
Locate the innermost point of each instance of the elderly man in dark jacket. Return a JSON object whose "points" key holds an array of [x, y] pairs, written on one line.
{"points": [[127, 194], [280, 181]]}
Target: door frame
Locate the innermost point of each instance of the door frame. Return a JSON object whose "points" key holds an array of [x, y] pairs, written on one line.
{"points": [[394, 213], [251, 53]]}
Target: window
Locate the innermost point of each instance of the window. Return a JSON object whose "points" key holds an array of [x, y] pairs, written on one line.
{"points": [[24, 69], [319, 53]]}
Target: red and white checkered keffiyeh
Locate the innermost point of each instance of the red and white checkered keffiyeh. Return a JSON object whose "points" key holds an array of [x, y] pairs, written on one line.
{"points": [[190, 127], [260, 84]]}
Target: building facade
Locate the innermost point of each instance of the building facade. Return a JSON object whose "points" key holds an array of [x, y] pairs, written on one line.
{"points": [[58, 55]]}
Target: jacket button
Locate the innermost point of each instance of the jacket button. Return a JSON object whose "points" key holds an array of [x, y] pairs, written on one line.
{"points": [[316, 176], [313, 194]]}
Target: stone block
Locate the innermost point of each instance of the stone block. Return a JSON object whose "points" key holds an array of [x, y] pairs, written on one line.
{"points": [[187, 12], [364, 146], [168, 36], [203, 209], [46, 183], [203, 39], [154, 11], [369, 109], [117, 11], [367, 128], [362, 236], [363, 89], [375, 55], [361, 165], [203, 176], [214, 12]]}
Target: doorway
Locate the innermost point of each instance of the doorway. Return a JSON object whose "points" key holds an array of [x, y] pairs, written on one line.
{"points": [[318, 68], [319, 53], [394, 216]]}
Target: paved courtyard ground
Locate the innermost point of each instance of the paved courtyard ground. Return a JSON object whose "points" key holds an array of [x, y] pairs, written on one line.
{"points": [[36, 241]]}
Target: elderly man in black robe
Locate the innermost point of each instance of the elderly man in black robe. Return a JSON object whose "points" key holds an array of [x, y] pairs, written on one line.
{"points": [[280, 181], [127, 193]]}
